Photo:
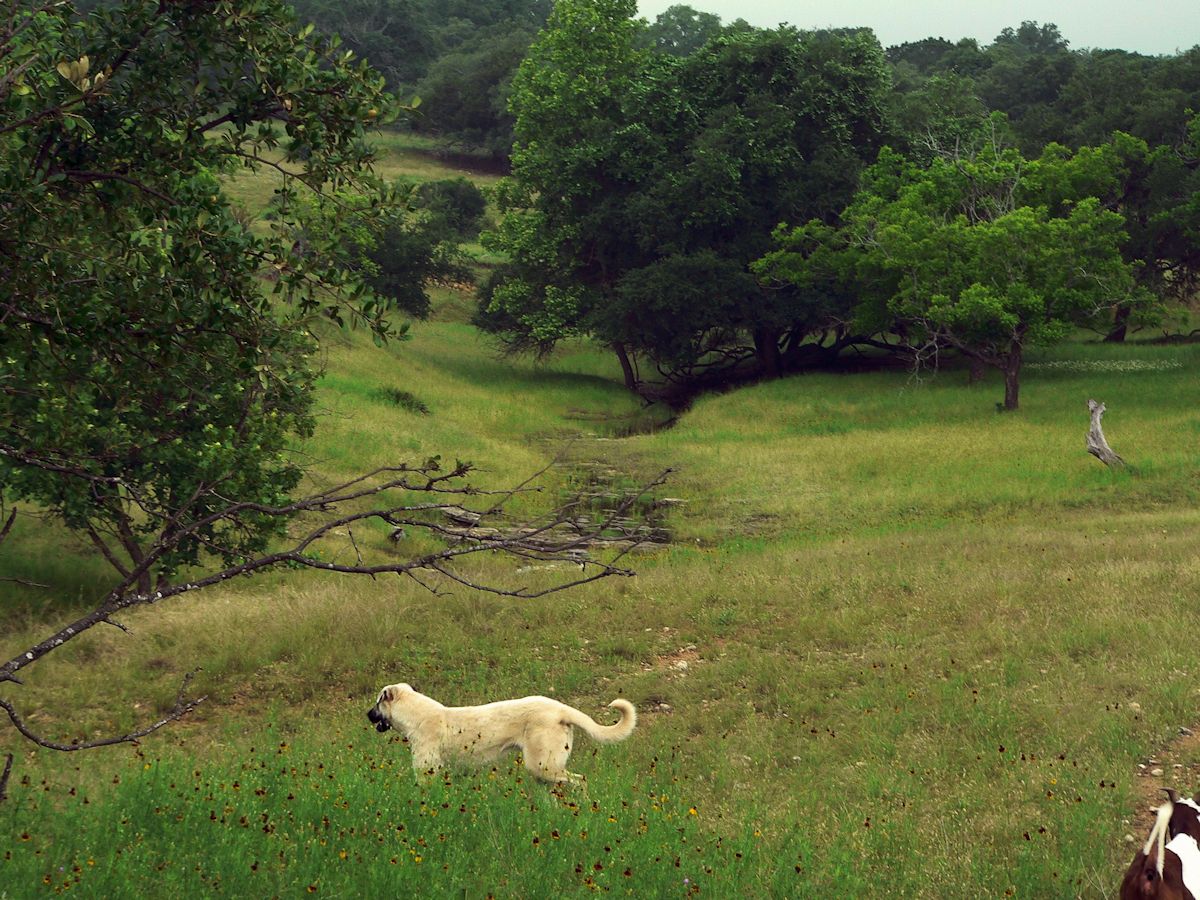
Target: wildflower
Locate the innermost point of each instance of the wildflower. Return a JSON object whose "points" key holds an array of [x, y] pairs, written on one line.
{"points": [[692, 812]]}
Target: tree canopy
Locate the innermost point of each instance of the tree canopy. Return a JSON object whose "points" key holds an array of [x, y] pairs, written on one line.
{"points": [[635, 172], [980, 250], [145, 373]]}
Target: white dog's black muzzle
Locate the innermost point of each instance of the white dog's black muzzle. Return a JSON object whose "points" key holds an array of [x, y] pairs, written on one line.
{"points": [[377, 718]]}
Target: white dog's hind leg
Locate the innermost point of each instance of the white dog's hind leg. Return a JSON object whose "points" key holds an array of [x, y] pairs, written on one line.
{"points": [[546, 753]]}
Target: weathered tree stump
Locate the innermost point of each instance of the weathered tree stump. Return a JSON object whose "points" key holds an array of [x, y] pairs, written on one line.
{"points": [[1096, 444]]}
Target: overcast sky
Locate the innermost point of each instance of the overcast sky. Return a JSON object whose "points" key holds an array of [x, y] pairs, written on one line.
{"points": [[1147, 26]]}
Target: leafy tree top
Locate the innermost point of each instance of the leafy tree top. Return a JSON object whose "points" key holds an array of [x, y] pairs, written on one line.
{"points": [[153, 354]]}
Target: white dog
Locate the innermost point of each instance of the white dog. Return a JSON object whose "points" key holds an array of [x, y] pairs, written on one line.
{"points": [[542, 728]]}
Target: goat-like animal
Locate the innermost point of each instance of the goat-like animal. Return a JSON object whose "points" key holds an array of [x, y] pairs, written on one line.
{"points": [[1168, 866]]}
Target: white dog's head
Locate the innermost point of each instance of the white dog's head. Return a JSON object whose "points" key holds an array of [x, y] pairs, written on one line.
{"points": [[384, 709]]}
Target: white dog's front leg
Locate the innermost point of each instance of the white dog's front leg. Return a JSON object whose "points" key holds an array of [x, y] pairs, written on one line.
{"points": [[425, 762]]}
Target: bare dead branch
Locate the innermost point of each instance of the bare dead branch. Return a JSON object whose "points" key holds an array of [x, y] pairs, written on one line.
{"points": [[180, 709], [528, 543], [115, 624], [12, 518], [106, 551], [357, 551], [8, 764], [1096, 444], [84, 176]]}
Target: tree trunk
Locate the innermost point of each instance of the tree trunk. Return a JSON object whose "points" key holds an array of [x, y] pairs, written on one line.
{"points": [[130, 543], [1012, 376], [766, 348], [626, 365], [1096, 444], [978, 368], [1120, 326]]}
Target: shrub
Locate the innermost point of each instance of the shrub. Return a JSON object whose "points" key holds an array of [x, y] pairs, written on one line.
{"points": [[455, 203]]}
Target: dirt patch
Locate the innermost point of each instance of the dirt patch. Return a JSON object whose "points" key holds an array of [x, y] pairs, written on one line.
{"points": [[1176, 766], [678, 662]]}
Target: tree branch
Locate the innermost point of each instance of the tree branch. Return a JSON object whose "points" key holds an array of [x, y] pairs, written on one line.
{"points": [[520, 542], [82, 176], [51, 465], [8, 764], [178, 711]]}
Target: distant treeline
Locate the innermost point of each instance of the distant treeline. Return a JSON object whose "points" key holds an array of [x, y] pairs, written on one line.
{"points": [[1048, 91], [459, 57]]}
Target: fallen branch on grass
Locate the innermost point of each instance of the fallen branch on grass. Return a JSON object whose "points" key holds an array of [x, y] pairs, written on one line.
{"points": [[1096, 444]]}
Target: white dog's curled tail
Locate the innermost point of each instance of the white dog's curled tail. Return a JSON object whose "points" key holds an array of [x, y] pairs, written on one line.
{"points": [[607, 734]]}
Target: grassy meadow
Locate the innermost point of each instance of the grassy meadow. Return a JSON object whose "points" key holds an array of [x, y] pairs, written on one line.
{"points": [[899, 646]]}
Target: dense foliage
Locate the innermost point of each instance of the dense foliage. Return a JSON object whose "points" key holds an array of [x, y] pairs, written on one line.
{"points": [[973, 253], [146, 376], [459, 58], [1049, 92], [644, 184]]}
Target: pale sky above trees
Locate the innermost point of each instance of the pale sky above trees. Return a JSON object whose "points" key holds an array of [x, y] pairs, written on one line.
{"points": [[1152, 27]]}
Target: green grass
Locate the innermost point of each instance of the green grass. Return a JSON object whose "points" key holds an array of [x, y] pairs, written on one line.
{"points": [[926, 646], [402, 156], [414, 157], [338, 819], [798, 452]]}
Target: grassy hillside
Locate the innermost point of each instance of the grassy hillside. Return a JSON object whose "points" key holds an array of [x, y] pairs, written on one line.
{"points": [[900, 645]]}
